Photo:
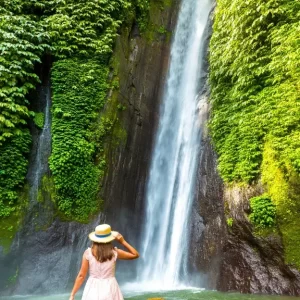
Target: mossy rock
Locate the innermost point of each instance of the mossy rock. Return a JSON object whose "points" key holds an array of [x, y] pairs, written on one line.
{"points": [[10, 225]]}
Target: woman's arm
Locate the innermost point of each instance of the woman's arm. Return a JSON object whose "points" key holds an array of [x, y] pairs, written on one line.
{"points": [[80, 277], [130, 254]]}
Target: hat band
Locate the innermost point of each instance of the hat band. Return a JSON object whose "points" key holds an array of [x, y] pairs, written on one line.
{"points": [[102, 235]]}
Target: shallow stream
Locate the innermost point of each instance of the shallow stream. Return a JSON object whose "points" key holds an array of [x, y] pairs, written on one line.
{"points": [[190, 294]]}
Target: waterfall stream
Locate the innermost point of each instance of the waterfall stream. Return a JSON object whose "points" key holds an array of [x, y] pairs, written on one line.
{"points": [[43, 147], [171, 183]]}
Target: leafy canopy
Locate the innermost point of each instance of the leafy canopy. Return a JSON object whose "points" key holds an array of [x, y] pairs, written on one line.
{"points": [[65, 29], [255, 80]]}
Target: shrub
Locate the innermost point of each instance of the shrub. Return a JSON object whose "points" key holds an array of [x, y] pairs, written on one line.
{"points": [[39, 119], [263, 211]]}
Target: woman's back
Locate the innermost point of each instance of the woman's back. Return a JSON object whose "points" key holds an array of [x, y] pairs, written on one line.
{"points": [[100, 260], [102, 284], [101, 270]]}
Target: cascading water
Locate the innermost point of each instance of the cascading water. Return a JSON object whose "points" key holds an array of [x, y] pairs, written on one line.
{"points": [[170, 189], [43, 147]]}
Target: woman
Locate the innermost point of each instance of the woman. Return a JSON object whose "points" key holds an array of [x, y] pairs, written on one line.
{"points": [[101, 260]]}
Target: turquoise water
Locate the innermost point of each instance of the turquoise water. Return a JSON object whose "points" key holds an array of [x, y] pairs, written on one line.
{"points": [[193, 294]]}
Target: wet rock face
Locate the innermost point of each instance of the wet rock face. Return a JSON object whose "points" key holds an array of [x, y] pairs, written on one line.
{"points": [[143, 62], [48, 260], [208, 226], [208, 233], [232, 258], [253, 264]]}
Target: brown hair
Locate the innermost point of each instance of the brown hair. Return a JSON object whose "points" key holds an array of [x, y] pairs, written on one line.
{"points": [[102, 252]]}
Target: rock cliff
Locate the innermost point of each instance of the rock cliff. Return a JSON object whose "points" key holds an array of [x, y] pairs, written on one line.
{"points": [[233, 256]]}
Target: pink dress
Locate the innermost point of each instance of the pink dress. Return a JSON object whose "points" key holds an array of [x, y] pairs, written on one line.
{"points": [[102, 283]]}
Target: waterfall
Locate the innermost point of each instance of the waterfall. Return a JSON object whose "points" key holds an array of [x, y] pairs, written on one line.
{"points": [[43, 146], [171, 182]]}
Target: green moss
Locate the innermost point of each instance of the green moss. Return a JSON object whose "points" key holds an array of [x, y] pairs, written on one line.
{"points": [[13, 279], [115, 84], [162, 30], [121, 107], [40, 196], [156, 28], [154, 32], [283, 185], [267, 232], [39, 119], [48, 186], [161, 4], [46, 190], [45, 212], [112, 111], [229, 222], [10, 225]]}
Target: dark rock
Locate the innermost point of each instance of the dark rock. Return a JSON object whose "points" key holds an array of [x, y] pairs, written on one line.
{"points": [[142, 72], [251, 263]]}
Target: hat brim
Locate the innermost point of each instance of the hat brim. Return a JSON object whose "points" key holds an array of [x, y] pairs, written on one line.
{"points": [[107, 239]]}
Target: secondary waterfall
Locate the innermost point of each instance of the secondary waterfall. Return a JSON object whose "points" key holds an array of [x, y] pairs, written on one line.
{"points": [[43, 147], [170, 190]]}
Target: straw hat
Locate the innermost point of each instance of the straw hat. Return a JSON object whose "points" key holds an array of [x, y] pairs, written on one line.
{"points": [[102, 234]]}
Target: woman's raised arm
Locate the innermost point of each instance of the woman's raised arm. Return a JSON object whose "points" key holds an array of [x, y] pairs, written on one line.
{"points": [[130, 254]]}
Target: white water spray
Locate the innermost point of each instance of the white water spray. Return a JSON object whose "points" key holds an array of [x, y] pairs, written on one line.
{"points": [[170, 189]]}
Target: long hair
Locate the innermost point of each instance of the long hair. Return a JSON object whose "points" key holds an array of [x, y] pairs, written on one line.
{"points": [[102, 252]]}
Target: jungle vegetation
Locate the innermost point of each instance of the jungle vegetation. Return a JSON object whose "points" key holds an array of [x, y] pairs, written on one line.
{"points": [[255, 123], [79, 36]]}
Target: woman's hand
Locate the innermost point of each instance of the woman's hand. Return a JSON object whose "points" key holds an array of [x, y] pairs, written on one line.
{"points": [[130, 254], [119, 237], [72, 297]]}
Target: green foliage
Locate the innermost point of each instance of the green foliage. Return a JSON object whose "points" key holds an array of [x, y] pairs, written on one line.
{"points": [[9, 224], [162, 30], [85, 27], [79, 92], [255, 79], [22, 43], [142, 13], [13, 168], [115, 84], [121, 107], [283, 184], [263, 211], [229, 222], [28, 30], [39, 119]]}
